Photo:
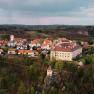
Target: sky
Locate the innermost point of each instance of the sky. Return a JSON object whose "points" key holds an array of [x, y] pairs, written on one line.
{"points": [[47, 12]]}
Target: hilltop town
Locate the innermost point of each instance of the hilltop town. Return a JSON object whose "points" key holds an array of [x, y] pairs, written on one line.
{"points": [[45, 65], [60, 49]]}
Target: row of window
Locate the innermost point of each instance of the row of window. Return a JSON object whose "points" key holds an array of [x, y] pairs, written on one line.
{"points": [[60, 55]]}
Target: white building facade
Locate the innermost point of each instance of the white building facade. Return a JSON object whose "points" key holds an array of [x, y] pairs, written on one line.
{"points": [[65, 51], [12, 42]]}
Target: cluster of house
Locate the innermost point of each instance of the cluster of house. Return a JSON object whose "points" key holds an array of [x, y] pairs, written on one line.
{"points": [[24, 47], [60, 49]]}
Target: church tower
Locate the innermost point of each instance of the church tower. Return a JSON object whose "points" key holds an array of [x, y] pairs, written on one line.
{"points": [[11, 37], [49, 71]]}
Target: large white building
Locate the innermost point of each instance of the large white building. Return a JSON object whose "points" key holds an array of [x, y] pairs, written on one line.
{"points": [[66, 50]]}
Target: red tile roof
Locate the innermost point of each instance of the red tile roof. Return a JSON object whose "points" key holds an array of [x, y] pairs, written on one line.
{"points": [[66, 47], [47, 42], [36, 41], [19, 40], [24, 51]]}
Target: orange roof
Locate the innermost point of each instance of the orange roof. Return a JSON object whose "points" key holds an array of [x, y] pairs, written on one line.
{"points": [[2, 41], [47, 42], [33, 32], [44, 44], [19, 39], [24, 51], [66, 47], [36, 41]]}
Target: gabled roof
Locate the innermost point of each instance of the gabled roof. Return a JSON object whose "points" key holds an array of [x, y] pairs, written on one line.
{"points": [[36, 41], [24, 51], [47, 42], [66, 47]]}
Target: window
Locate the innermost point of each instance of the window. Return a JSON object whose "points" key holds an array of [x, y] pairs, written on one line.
{"points": [[55, 54], [68, 55]]}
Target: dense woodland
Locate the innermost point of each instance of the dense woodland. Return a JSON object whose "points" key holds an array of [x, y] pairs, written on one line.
{"points": [[28, 31], [24, 75]]}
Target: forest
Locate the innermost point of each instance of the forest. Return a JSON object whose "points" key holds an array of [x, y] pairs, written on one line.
{"points": [[25, 75], [85, 33]]}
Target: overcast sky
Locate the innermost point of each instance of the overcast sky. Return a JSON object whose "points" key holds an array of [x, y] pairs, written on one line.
{"points": [[38, 12]]}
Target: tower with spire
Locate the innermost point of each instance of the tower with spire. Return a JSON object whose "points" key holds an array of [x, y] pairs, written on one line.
{"points": [[12, 42]]}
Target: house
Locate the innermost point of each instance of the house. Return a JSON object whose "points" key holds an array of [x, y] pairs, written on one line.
{"points": [[35, 43], [60, 41], [84, 43], [12, 51], [22, 46], [46, 45], [66, 51], [1, 51], [19, 47], [3, 42], [20, 41], [26, 52], [83, 33]]}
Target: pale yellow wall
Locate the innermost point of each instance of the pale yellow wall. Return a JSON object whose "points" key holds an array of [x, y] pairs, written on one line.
{"points": [[68, 56], [61, 55]]}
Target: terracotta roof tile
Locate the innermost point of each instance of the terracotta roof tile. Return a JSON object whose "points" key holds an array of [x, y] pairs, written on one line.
{"points": [[24, 51], [47, 42], [66, 47], [36, 41]]}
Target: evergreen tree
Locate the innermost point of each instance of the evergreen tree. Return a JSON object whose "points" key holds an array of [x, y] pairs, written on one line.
{"points": [[32, 91], [21, 88], [59, 66]]}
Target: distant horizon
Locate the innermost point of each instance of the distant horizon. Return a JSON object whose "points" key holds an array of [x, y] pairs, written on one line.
{"points": [[49, 24]]}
